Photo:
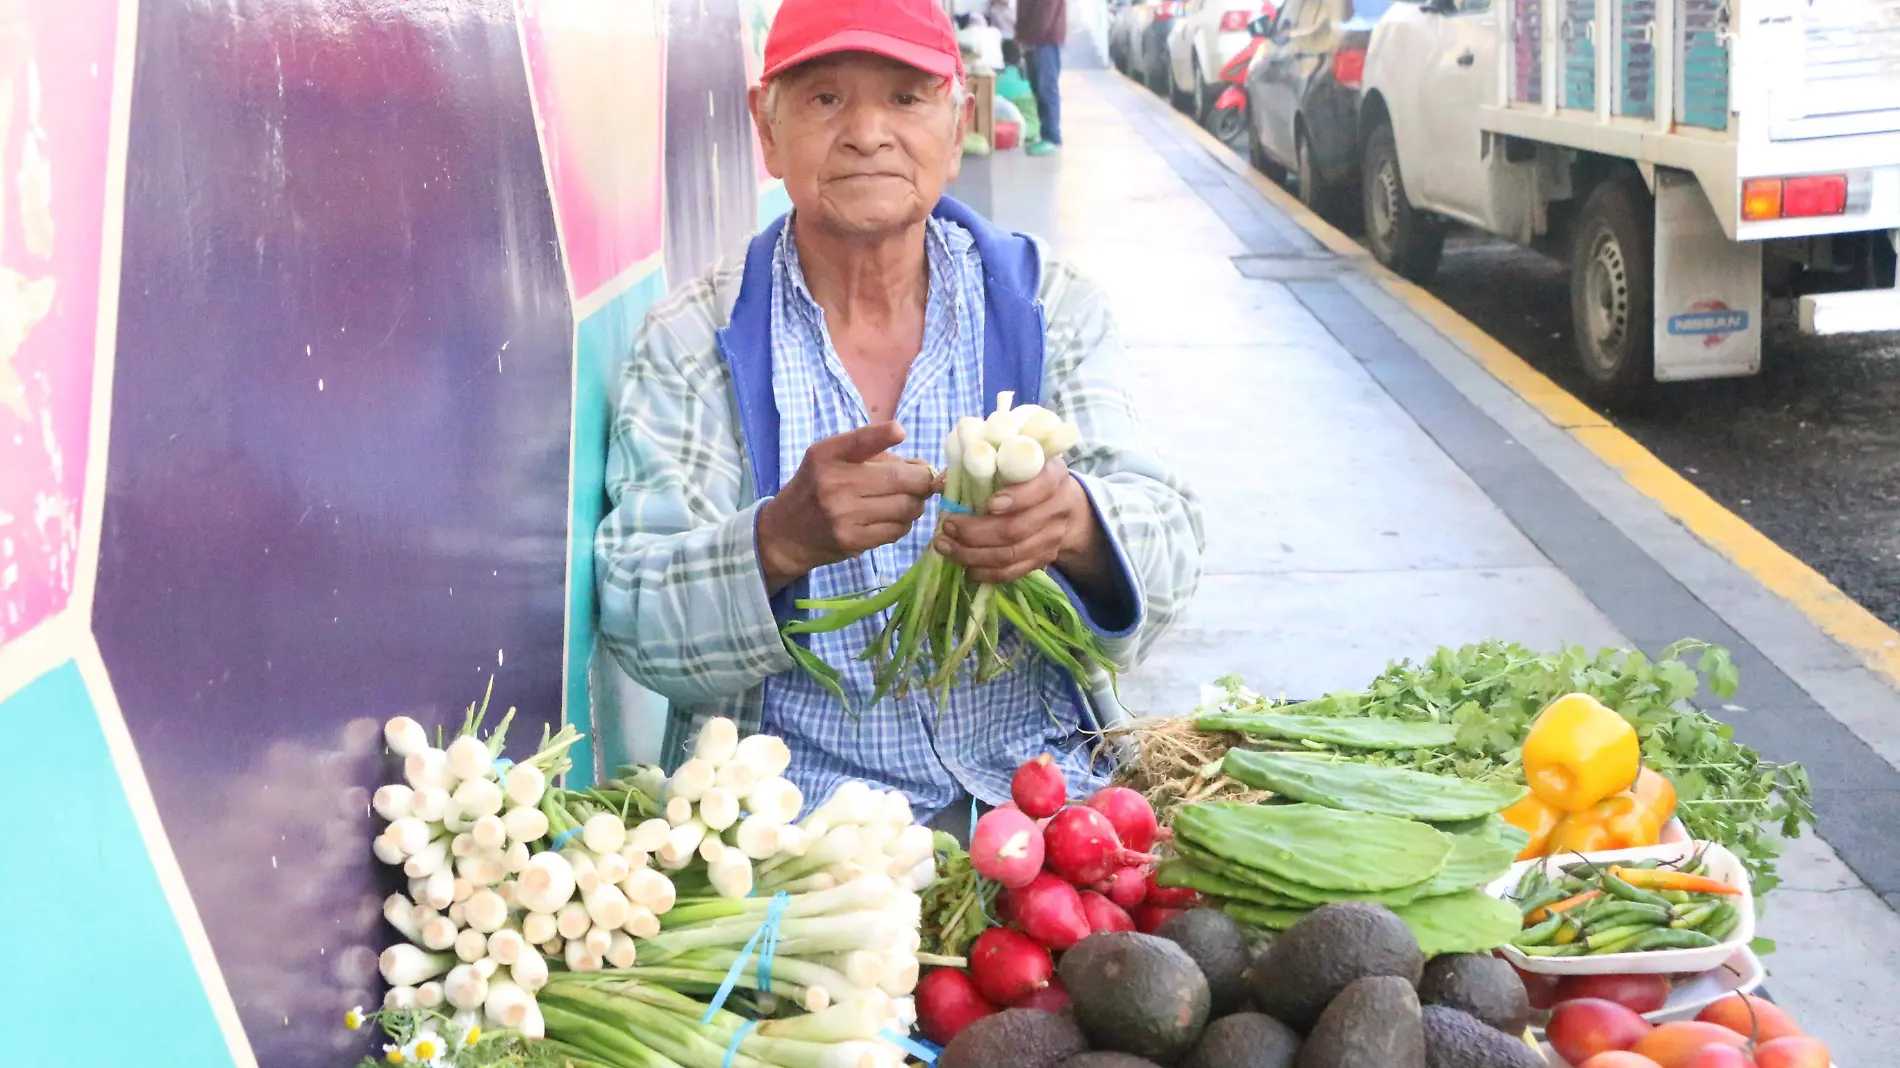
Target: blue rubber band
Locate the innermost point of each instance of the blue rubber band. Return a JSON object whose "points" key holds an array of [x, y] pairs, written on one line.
{"points": [[502, 764], [732, 1048], [953, 507], [767, 932], [922, 1051], [564, 837]]}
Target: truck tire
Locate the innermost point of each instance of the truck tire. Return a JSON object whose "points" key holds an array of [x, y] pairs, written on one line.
{"points": [[1613, 291], [1401, 237]]}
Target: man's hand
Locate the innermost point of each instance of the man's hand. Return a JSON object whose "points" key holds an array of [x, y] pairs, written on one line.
{"points": [[849, 495], [1046, 520]]}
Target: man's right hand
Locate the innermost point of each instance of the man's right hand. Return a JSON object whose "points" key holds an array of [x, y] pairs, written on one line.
{"points": [[849, 495]]}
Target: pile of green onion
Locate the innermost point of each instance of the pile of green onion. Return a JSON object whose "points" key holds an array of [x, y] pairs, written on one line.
{"points": [[944, 626]]}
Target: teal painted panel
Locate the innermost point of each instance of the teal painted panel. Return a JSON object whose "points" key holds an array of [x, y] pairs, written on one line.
{"points": [[772, 204], [1636, 56], [1579, 69], [98, 972], [602, 344]]}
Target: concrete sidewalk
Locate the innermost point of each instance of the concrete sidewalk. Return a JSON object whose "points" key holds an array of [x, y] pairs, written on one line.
{"points": [[1373, 492]]}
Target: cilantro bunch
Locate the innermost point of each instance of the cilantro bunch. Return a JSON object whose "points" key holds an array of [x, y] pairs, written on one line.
{"points": [[1490, 691]]}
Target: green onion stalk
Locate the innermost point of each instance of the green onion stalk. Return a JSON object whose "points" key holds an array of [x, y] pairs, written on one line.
{"points": [[621, 1020], [942, 626]]}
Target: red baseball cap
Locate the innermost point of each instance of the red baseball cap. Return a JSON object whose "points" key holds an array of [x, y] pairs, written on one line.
{"points": [[913, 32]]}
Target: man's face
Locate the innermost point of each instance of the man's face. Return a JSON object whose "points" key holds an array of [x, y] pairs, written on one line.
{"points": [[865, 144]]}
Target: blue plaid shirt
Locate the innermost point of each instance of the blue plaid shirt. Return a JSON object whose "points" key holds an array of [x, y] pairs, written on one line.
{"points": [[976, 740]]}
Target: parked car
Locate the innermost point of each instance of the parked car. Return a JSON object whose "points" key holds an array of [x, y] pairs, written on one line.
{"points": [[1138, 39], [1200, 43], [1303, 98]]}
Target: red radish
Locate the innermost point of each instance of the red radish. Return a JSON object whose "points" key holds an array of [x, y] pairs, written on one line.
{"points": [[1050, 911], [948, 1002], [1169, 897], [1007, 966], [1039, 788], [1051, 998], [1005, 847], [1103, 914], [1128, 887], [1080, 845], [1004, 908], [1130, 814], [1149, 916]]}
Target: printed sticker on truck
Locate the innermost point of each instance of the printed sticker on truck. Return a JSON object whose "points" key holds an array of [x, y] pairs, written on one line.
{"points": [[1712, 320]]}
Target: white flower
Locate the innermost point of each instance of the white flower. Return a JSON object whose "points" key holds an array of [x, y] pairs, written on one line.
{"points": [[470, 1035], [353, 1019], [426, 1049]]}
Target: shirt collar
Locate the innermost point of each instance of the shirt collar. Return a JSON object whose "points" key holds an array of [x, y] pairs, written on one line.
{"points": [[943, 245]]}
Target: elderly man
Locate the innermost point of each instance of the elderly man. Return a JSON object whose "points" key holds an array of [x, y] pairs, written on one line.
{"points": [[779, 416]]}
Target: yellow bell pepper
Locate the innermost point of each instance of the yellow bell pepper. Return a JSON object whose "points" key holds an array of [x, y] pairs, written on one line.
{"points": [[1579, 752], [1655, 792], [1536, 819], [1617, 822]]}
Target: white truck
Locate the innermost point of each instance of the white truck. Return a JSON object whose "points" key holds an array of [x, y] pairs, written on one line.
{"points": [[1684, 156]]}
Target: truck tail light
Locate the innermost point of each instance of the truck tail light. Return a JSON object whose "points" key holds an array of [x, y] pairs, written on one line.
{"points": [[1234, 21], [1168, 9], [1794, 198], [1349, 67]]}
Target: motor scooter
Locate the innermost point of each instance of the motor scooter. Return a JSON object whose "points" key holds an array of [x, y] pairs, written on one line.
{"points": [[1228, 121]]}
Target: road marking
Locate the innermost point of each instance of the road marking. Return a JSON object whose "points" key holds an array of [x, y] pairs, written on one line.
{"points": [[1838, 615]]}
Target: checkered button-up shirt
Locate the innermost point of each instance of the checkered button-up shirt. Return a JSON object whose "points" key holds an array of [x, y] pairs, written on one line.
{"points": [[683, 603]]}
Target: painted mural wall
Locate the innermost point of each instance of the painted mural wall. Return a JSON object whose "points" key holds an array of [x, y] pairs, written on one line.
{"points": [[311, 318]]}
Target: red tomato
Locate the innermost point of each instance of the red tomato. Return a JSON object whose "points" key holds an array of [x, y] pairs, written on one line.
{"points": [[1672, 1044], [1795, 1051], [1754, 1017], [1581, 1029], [1541, 988], [1637, 993]]}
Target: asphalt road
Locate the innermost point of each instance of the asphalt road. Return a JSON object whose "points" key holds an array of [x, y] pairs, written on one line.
{"points": [[1808, 451]]}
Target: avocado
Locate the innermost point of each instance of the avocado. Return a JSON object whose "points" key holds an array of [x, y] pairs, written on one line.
{"points": [[1135, 993], [1311, 962], [1215, 942], [1458, 1040], [1480, 985], [1374, 1023], [1108, 1059], [1244, 1040], [1020, 1038]]}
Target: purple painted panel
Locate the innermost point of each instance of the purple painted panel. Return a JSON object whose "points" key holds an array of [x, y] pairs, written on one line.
{"points": [[338, 475]]}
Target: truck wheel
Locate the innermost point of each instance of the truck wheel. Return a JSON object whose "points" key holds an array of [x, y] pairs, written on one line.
{"points": [[1612, 291], [1403, 238]]}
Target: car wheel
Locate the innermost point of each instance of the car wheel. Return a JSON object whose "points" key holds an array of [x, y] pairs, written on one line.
{"points": [[1183, 101], [1226, 124], [1612, 291], [1257, 152], [1203, 104], [1327, 200], [1401, 237]]}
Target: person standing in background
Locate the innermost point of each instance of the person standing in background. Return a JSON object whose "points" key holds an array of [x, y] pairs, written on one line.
{"points": [[1042, 27], [1002, 15]]}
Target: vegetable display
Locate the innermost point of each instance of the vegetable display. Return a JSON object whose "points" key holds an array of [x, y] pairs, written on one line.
{"points": [[1469, 712], [941, 624], [683, 921], [1592, 909]]}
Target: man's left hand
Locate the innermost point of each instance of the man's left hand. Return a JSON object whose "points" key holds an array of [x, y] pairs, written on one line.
{"points": [[1035, 524]]}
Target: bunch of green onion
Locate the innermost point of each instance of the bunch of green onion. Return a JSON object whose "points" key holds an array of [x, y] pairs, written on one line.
{"points": [[943, 625]]}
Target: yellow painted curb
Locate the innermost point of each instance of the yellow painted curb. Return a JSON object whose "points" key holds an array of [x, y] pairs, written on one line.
{"points": [[1876, 644]]}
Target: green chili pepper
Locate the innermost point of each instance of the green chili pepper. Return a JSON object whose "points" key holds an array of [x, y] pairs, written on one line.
{"points": [[1631, 914], [1574, 949], [1548, 894], [1667, 938], [1695, 917], [1723, 923], [1621, 889], [1541, 934]]}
